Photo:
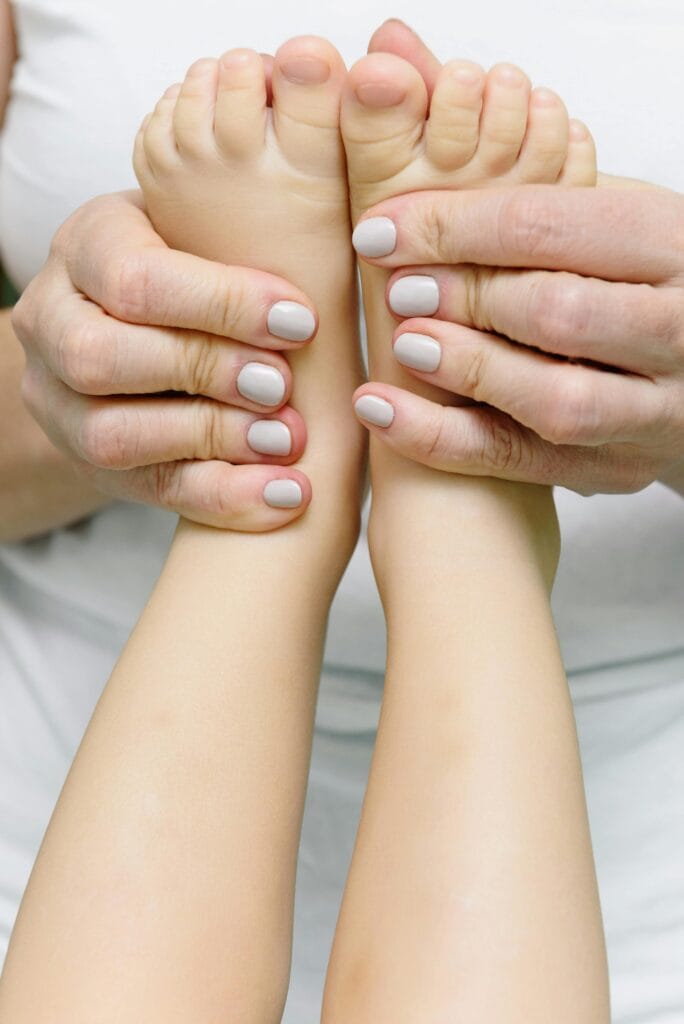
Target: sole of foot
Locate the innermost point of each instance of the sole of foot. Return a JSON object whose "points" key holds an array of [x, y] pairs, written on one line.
{"points": [[244, 170]]}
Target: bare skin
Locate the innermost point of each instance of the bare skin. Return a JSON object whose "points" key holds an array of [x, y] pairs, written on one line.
{"points": [[193, 770], [561, 274], [256, 700], [472, 893]]}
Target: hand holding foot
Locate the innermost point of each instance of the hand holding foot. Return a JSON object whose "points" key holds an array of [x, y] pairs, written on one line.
{"points": [[592, 308], [228, 177], [159, 320]]}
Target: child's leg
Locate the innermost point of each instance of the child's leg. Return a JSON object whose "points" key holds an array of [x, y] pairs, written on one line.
{"points": [[471, 895], [163, 890]]}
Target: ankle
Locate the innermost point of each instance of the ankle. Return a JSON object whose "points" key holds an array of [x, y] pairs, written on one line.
{"points": [[430, 526]]}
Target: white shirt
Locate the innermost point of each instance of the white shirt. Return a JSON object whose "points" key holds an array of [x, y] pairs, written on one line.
{"points": [[86, 75]]}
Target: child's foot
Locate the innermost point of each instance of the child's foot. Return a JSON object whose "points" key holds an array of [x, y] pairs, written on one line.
{"points": [[482, 130], [229, 177]]}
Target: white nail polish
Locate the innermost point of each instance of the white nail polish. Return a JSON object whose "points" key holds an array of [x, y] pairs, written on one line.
{"points": [[269, 437], [418, 351], [374, 410], [261, 383], [376, 236], [415, 295], [283, 494], [291, 321]]}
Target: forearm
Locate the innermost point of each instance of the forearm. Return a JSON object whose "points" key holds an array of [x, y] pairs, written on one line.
{"points": [[472, 892], [39, 488], [175, 902]]}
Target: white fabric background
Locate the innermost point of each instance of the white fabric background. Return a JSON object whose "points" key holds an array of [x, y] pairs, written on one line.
{"points": [[86, 75]]}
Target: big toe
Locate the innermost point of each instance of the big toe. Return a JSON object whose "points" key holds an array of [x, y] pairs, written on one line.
{"points": [[308, 74], [383, 116]]}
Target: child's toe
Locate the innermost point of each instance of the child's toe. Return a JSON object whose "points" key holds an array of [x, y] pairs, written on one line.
{"points": [[308, 74], [580, 162], [240, 122], [453, 127], [545, 145], [383, 115], [504, 119], [193, 116], [155, 145]]}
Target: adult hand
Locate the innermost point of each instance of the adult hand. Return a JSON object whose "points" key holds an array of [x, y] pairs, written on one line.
{"points": [[115, 319], [562, 310]]}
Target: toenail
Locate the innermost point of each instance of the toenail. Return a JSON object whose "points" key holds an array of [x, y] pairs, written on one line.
{"points": [[415, 295], [510, 75], [200, 67], [374, 237], [305, 70], [237, 58], [467, 76], [291, 321], [261, 383], [544, 98], [269, 437], [418, 351], [380, 94], [578, 131], [283, 494], [374, 410]]}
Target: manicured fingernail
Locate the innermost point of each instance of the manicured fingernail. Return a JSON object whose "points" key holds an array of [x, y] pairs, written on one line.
{"points": [[261, 383], [375, 237], [269, 437], [305, 70], [415, 295], [374, 410], [291, 321], [418, 351], [380, 94], [283, 494]]}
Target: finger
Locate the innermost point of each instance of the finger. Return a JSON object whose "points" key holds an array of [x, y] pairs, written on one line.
{"points": [[137, 278], [394, 36], [631, 326], [586, 231], [484, 442], [253, 499], [95, 354], [563, 402], [114, 433]]}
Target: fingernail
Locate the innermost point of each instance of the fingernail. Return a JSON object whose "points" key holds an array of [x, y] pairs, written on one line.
{"points": [[261, 383], [305, 70], [283, 494], [374, 410], [269, 437], [415, 295], [291, 321], [418, 351], [375, 237]]}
